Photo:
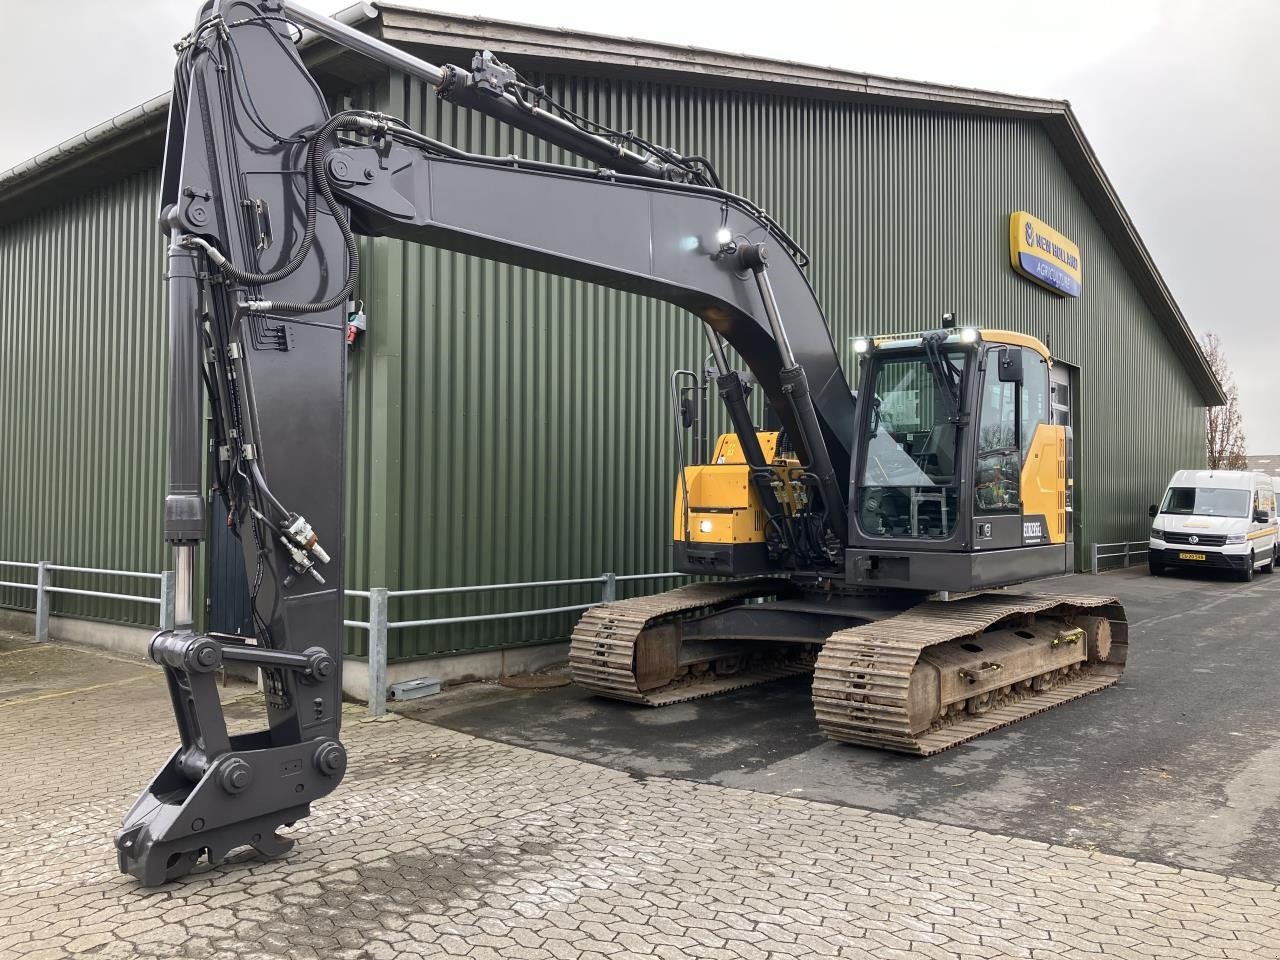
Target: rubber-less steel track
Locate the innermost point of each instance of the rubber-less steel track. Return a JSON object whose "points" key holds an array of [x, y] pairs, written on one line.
{"points": [[602, 650], [862, 675]]}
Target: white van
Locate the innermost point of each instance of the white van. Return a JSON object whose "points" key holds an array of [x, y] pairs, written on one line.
{"points": [[1216, 519]]}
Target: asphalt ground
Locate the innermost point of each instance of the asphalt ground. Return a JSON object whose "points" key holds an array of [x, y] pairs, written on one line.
{"points": [[1179, 763]]}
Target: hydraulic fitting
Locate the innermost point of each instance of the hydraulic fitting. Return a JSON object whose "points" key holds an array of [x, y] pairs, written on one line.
{"points": [[300, 530]]}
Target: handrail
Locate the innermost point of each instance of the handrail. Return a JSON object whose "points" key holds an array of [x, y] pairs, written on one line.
{"points": [[113, 573], [379, 624], [476, 618], [1139, 546], [45, 589], [485, 587]]}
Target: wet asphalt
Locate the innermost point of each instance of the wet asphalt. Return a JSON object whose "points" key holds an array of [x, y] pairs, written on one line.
{"points": [[1179, 763]]}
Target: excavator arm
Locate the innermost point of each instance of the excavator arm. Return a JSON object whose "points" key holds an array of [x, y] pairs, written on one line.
{"points": [[263, 195]]}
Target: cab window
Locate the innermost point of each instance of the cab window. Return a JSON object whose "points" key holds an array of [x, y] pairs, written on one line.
{"points": [[1264, 502], [1035, 396], [999, 456]]}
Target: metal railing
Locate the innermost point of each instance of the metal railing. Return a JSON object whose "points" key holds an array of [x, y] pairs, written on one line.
{"points": [[44, 589], [1129, 549], [379, 624]]}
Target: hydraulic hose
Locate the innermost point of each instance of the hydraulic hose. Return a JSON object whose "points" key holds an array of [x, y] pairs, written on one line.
{"points": [[317, 182]]}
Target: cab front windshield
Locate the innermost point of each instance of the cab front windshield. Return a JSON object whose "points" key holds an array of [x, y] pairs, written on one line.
{"points": [[908, 481], [1206, 502]]}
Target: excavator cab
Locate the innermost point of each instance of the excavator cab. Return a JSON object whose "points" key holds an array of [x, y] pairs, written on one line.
{"points": [[963, 471]]}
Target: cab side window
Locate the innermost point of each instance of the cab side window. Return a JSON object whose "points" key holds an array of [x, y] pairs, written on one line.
{"points": [[1260, 504], [999, 459], [1035, 396]]}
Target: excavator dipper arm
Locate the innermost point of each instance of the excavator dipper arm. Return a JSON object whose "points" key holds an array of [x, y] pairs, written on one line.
{"points": [[262, 196]]}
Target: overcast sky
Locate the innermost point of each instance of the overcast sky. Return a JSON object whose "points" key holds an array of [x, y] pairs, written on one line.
{"points": [[1178, 98]]}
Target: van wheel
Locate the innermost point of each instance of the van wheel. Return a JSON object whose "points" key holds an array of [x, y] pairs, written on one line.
{"points": [[1270, 566], [1246, 575]]}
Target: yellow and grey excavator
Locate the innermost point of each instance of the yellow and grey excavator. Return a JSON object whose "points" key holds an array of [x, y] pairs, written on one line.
{"points": [[959, 483], [859, 538]]}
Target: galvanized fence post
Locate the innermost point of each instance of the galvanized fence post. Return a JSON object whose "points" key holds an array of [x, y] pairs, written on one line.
{"points": [[609, 590], [1094, 567], [168, 590], [377, 651], [42, 601]]}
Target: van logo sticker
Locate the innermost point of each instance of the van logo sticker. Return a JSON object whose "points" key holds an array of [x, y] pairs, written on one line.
{"points": [[1193, 539], [1032, 530]]}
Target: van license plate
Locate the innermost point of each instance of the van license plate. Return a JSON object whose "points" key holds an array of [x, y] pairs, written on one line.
{"points": [[1191, 556]]}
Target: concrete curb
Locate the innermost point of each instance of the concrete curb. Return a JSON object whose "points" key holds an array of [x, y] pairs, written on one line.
{"points": [[131, 641]]}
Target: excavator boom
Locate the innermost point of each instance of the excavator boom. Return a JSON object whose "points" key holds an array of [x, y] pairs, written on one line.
{"points": [[263, 193]]}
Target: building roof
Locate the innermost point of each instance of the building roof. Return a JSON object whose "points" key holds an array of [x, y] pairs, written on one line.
{"points": [[131, 141]]}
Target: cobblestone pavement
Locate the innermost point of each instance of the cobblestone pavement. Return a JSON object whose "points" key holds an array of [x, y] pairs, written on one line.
{"points": [[442, 844]]}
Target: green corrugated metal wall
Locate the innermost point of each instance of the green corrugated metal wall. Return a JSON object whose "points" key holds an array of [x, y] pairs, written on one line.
{"points": [[532, 412], [82, 410], [512, 426]]}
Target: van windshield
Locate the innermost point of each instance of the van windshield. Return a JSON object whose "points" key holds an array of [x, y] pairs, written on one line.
{"points": [[1206, 502]]}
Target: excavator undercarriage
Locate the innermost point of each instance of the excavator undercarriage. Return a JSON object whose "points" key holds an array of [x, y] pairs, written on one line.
{"points": [[917, 679]]}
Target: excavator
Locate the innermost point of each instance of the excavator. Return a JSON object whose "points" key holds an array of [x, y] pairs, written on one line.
{"points": [[865, 536]]}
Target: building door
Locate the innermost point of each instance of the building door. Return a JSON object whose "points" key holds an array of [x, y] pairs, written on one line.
{"points": [[1064, 382]]}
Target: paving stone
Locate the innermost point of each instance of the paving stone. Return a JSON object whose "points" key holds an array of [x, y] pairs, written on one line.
{"points": [[439, 844]]}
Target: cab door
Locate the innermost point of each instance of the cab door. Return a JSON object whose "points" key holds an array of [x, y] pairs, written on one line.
{"points": [[1021, 484], [997, 506], [1045, 457]]}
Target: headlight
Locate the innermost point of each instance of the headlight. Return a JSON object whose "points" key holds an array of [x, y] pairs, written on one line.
{"points": [[1157, 531], [1237, 538], [705, 526], [861, 345], [968, 335]]}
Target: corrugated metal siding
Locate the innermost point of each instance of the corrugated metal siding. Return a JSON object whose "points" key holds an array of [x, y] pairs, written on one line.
{"points": [[533, 427], [532, 412], [512, 426], [81, 394]]}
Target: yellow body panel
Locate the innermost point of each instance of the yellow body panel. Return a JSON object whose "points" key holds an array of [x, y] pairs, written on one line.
{"points": [[1013, 338], [1044, 480], [997, 337], [723, 506]]}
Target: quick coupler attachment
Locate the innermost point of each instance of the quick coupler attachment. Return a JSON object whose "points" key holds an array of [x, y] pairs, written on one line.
{"points": [[217, 792]]}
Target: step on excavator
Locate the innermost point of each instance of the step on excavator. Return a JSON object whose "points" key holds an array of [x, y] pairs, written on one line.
{"points": [[864, 536]]}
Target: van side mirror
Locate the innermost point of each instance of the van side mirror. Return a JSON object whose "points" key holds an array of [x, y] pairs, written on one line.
{"points": [[1010, 365], [1260, 516], [1153, 511]]}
